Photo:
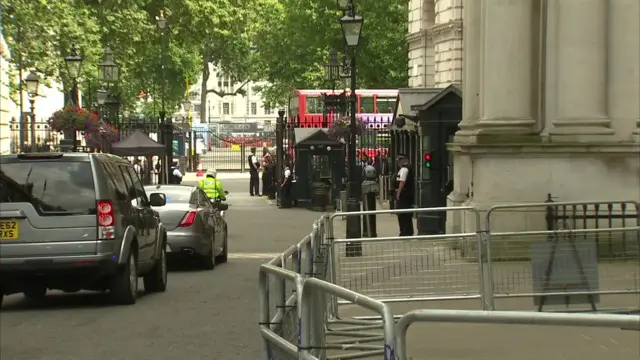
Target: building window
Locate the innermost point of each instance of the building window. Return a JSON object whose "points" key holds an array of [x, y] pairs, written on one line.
{"points": [[254, 108], [225, 108], [267, 110]]}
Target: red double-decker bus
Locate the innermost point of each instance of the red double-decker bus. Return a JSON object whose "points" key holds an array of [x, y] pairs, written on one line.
{"points": [[375, 107]]}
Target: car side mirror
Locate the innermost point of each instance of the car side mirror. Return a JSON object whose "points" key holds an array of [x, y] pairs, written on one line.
{"points": [[157, 199], [226, 192], [223, 206]]}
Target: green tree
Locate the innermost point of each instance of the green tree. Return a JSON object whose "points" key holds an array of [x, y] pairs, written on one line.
{"points": [[42, 32], [219, 31], [294, 40]]}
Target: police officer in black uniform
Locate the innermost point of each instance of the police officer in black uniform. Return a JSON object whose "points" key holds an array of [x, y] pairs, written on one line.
{"points": [[405, 194], [286, 186], [254, 180]]}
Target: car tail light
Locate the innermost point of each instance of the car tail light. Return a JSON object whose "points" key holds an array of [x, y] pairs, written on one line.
{"points": [[188, 219], [106, 219]]}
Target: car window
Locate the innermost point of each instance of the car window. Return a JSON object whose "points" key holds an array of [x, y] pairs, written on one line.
{"points": [[116, 181], [194, 199], [54, 188], [141, 195], [174, 196], [131, 191], [203, 199]]}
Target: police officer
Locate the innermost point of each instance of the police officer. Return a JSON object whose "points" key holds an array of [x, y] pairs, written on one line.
{"points": [[175, 176], [212, 186], [404, 194], [286, 186], [254, 180]]}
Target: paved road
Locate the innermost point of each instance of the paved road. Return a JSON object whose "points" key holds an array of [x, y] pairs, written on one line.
{"points": [[203, 314]]}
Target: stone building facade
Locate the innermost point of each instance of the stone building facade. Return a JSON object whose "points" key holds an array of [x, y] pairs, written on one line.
{"points": [[551, 93], [435, 43], [551, 105]]}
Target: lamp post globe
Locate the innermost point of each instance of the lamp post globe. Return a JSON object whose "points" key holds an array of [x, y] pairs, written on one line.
{"points": [[108, 69], [101, 96], [74, 63], [161, 21], [186, 105], [33, 82], [351, 25], [332, 68]]}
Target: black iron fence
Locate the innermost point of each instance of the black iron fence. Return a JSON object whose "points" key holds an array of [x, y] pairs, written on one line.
{"points": [[612, 215]]}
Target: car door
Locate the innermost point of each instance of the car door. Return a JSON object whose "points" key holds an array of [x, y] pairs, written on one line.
{"points": [[140, 211], [151, 217], [207, 212]]}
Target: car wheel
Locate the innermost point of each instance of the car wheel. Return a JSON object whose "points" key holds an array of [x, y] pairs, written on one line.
{"points": [[124, 284], [36, 293], [156, 279], [208, 260], [222, 258]]}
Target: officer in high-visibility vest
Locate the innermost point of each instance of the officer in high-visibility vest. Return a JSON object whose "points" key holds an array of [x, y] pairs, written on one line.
{"points": [[212, 186]]}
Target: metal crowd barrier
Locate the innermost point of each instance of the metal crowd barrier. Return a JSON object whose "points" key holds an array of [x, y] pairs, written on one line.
{"points": [[624, 322], [492, 259], [296, 305]]}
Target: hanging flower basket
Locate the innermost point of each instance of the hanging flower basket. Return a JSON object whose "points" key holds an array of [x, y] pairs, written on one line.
{"points": [[72, 118], [340, 128]]}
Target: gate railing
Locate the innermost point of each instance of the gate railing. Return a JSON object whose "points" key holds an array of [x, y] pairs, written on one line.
{"points": [[624, 322], [496, 257]]}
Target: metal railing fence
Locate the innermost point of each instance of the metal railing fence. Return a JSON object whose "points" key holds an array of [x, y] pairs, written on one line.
{"points": [[624, 322], [296, 306], [502, 253]]}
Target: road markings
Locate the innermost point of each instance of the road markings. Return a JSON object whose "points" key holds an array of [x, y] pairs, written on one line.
{"points": [[253, 255]]}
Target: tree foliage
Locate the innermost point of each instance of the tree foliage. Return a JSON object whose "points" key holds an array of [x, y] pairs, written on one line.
{"points": [[42, 32], [282, 42], [297, 35]]}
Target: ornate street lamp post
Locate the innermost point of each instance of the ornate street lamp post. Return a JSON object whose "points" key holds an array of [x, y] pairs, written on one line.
{"points": [[280, 128], [166, 124], [109, 74], [74, 68], [33, 83], [351, 24]]}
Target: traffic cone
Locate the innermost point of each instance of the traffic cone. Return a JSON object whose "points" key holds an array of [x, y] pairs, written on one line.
{"points": [[199, 172]]}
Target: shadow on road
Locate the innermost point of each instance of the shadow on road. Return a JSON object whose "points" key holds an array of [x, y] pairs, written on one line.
{"points": [[60, 301]]}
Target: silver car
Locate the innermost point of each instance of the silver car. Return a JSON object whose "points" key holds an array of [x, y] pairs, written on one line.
{"points": [[195, 228], [77, 221]]}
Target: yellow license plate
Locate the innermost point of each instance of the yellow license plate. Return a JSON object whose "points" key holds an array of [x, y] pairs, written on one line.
{"points": [[9, 230]]}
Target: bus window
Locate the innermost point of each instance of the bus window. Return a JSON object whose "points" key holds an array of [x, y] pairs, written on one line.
{"points": [[293, 105], [366, 105], [385, 105], [315, 105]]}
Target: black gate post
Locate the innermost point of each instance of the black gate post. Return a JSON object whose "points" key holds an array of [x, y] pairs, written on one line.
{"points": [[279, 153]]}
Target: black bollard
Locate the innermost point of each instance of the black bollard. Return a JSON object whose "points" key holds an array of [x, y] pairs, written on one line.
{"points": [[369, 221], [370, 188]]}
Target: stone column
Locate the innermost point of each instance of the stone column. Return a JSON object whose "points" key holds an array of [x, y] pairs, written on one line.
{"points": [[471, 59], [581, 77], [507, 85], [624, 64]]}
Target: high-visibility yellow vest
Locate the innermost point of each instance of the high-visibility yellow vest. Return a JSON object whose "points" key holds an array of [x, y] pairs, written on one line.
{"points": [[210, 187]]}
